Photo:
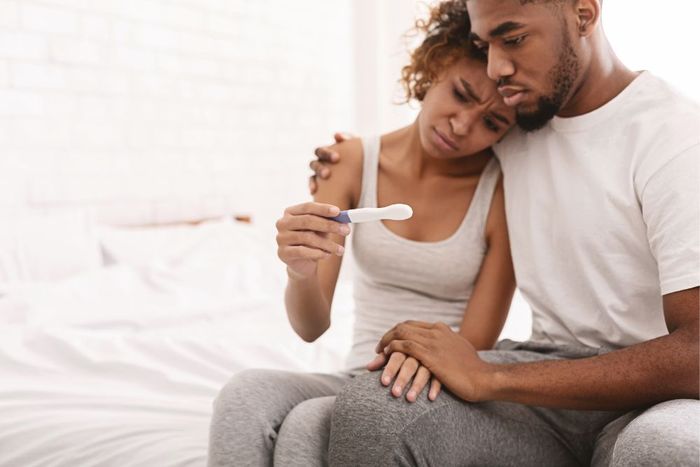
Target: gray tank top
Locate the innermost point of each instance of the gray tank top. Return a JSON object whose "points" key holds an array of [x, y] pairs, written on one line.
{"points": [[397, 279]]}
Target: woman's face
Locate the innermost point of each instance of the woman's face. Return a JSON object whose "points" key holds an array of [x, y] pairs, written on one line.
{"points": [[462, 113]]}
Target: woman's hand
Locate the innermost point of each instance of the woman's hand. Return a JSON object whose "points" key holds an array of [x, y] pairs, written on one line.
{"points": [[302, 237], [406, 368], [447, 354], [325, 157]]}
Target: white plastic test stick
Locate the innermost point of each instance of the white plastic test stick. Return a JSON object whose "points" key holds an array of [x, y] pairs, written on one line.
{"points": [[394, 212]]}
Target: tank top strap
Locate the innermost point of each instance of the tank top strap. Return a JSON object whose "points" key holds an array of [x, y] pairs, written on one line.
{"points": [[481, 202], [370, 165]]}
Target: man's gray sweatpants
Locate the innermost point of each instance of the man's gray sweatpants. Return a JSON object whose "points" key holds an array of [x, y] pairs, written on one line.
{"points": [[372, 428]]}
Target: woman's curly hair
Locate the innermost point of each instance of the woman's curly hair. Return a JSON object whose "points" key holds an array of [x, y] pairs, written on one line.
{"points": [[446, 41]]}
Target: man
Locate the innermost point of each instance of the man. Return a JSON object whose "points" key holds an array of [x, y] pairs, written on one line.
{"points": [[602, 198]]}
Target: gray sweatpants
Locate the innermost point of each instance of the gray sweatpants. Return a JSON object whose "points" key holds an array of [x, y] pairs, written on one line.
{"points": [[371, 428], [263, 417]]}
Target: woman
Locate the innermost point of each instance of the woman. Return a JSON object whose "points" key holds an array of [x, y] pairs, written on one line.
{"points": [[450, 262]]}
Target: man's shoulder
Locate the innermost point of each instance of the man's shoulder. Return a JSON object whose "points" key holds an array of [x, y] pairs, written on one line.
{"points": [[659, 106]]}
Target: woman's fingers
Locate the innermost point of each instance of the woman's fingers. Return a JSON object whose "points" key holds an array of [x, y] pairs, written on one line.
{"points": [[296, 253], [435, 387], [309, 240], [378, 362], [408, 369], [392, 368], [419, 382], [318, 209]]}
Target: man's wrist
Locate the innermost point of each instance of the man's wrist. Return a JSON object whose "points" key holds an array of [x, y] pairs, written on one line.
{"points": [[493, 382]]}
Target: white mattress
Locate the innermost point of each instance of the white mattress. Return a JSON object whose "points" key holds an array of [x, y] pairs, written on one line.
{"points": [[120, 366]]}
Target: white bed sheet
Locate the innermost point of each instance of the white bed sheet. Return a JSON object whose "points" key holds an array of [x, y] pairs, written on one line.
{"points": [[120, 366]]}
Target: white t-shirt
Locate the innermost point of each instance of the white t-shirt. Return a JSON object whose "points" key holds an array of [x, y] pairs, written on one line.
{"points": [[604, 215]]}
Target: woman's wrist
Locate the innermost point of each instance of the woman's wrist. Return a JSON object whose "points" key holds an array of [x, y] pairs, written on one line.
{"points": [[296, 277]]}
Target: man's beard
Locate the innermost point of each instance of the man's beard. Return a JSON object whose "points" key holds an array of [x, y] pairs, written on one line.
{"points": [[562, 76]]}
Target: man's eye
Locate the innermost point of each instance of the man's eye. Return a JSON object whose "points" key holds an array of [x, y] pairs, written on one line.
{"points": [[514, 41]]}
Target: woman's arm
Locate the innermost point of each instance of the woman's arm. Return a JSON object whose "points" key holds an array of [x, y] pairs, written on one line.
{"points": [[490, 301], [311, 286]]}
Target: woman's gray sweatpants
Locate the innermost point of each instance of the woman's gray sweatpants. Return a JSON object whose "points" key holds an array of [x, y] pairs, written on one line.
{"points": [[266, 416], [372, 428]]}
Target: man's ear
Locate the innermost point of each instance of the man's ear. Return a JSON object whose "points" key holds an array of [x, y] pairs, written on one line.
{"points": [[587, 16]]}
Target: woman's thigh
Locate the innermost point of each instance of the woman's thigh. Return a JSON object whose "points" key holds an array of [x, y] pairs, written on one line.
{"points": [[251, 407]]}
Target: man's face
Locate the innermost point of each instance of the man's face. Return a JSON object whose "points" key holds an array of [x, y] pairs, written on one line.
{"points": [[530, 55]]}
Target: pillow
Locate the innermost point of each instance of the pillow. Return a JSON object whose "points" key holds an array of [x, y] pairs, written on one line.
{"points": [[47, 247]]}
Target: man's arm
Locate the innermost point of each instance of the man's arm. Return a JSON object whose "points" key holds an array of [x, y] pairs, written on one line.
{"points": [[640, 375]]}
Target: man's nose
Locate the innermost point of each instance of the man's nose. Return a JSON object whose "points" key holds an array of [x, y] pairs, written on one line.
{"points": [[499, 64]]}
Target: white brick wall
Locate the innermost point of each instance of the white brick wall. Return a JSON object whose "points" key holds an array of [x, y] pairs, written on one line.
{"points": [[159, 110]]}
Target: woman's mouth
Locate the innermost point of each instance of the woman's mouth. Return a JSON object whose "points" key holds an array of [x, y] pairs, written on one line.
{"points": [[443, 141]]}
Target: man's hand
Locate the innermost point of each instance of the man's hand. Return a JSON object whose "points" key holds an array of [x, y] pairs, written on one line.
{"points": [[325, 157], [446, 354], [406, 368]]}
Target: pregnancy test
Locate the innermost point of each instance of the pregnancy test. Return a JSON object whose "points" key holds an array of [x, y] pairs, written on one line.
{"points": [[394, 212]]}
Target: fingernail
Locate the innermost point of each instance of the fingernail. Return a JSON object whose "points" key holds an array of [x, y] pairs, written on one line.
{"points": [[344, 229], [334, 211], [340, 250], [397, 390], [411, 395], [386, 380]]}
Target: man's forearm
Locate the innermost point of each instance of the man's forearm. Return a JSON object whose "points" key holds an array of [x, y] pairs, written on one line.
{"points": [[654, 371]]}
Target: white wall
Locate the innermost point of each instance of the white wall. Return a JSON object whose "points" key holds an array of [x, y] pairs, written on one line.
{"points": [[157, 110]]}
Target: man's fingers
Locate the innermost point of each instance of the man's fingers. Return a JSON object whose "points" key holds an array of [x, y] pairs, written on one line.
{"points": [[325, 154], [409, 348], [341, 136], [403, 331], [408, 369], [419, 382], [392, 368], [435, 387]]}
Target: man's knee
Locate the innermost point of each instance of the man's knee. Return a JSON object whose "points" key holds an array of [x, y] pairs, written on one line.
{"points": [[666, 434]]}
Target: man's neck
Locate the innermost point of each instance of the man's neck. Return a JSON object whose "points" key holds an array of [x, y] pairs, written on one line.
{"points": [[605, 78]]}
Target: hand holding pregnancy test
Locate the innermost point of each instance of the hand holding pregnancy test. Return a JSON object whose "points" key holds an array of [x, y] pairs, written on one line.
{"points": [[303, 232], [394, 212]]}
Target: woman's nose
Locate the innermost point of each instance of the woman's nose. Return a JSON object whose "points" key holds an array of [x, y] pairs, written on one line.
{"points": [[462, 122]]}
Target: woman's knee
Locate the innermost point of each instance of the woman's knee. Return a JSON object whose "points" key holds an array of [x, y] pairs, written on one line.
{"points": [[303, 436]]}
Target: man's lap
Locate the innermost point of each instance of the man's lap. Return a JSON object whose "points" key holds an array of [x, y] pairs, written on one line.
{"points": [[370, 426]]}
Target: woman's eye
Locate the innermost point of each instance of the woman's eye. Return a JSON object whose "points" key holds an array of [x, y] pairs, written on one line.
{"points": [[491, 125], [459, 96]]}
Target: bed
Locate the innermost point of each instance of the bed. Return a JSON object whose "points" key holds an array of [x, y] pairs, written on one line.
{"points": [[116, 360], [114, 341]]}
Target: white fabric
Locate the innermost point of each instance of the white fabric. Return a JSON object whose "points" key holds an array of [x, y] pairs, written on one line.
{"points": [[119, 366], [603, 215], [46, 247]]}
